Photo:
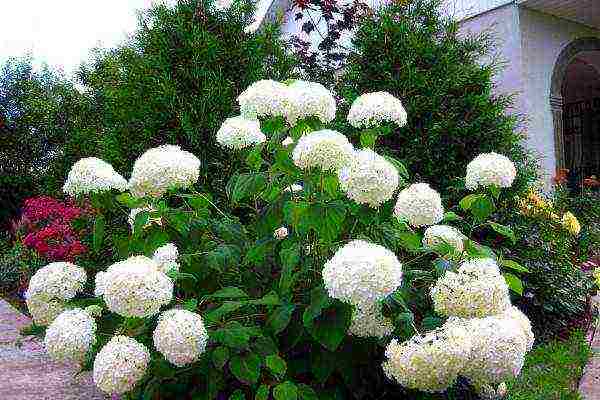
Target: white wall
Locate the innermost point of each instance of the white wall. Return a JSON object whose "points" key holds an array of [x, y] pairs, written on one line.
{"points": [[543, 37], [461, 9]]}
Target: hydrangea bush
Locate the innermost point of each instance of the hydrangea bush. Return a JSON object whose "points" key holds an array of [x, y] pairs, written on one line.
{"points": [[304, 285]]}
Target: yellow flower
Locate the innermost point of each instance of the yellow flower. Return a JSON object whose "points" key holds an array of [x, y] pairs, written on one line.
{"points": [[570, 223]]}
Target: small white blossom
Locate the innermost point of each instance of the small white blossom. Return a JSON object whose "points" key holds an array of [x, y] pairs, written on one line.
{"points": [[328, 150], [372, 109], [120, 365], [294, 188], [265, 98], [238, 133], [93, 175], [135, 287], [180, 336], [166, 256], [287, 141], [368, 321], [70, 336], [490, 169], [309, 99], [476, 290], [362, 273], [369, 178], [420, 205], [443, 234], [280, 233], [162, 168]]}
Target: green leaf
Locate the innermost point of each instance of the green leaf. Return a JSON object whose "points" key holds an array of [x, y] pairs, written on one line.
{"points": [[410, 241], [254, 159], [98, 236], [227, 308], [230, 292], [482, 207], [233, 335], [305, 392], [285, 391], [264, 346], [223, 257], [190, 304], [368, 137], [399, 166], [237, 395], [514, 266], [246, 367], [270, 299], [327, 321], [467, 201], [129, 201], [141, 220], [514, 283], [220, 356], [322, 364], [290, 257], [262, 393], [276, 364], [504, 231], [280, 318], [451, 217], [245, 186]]}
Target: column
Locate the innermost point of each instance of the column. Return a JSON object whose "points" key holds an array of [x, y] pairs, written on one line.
{"points": [[556, 105]]}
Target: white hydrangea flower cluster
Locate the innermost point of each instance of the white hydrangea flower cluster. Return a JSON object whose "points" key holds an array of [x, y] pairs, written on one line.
{"points": [[166, 256], [514, 314], [362, 273], [265, 98], [120, 364], [326, 149], [70, 336], [180, 336], [499, 348], [369, 178], [93, 175], [420, 205], [161, 168], [371, 109], [309, 99], [50, 287], [439, 234], [369, 321], [135, 287], [490, 169], [476, 290], [430, 363], [239, 133]]}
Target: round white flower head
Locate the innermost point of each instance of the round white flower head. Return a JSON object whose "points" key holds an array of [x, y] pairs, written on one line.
{"points": [[372, 109], [93, 175], [420, 205], [490, 169], [120, 364], [521, 319], [43, 309], [430, 363], [369, 178], [476, 290], [287, 141], [310, 99], [161, 168], [135, 287], [362, 273], [180, 336], [166, 256], [70, 336], [326, 149], [57, 280], [238, 133], [368, 321], [265, 98], [499, 348], [439, 234]]}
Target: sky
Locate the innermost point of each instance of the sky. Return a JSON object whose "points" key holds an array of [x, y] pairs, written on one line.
{"points": [[62, 32]]}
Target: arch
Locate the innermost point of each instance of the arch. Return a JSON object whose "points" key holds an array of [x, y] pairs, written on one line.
{"points": [[566, 56]]}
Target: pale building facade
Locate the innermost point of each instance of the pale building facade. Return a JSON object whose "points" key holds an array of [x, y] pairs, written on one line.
{"points": [[552, 53]]}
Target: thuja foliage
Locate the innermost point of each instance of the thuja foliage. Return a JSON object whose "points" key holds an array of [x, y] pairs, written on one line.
{"points": [[414, 52], [173, 81]]}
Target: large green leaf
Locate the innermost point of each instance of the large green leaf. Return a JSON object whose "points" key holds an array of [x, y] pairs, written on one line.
{"points": [[504, 231], [233, 334], [285, 391], [220, 356], [305, 392], [230, 292], [98, 235], [246, 367], [223, 257], [290, 257], [276, 364], [514, 282], [262, 393], [280, 318], [327, 320], [514, 266], [246, 186]]}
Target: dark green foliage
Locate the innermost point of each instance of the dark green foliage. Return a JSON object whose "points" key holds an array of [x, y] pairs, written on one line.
{"points": [[174, 82], [416, 54], [38, 109], [552, 371]]}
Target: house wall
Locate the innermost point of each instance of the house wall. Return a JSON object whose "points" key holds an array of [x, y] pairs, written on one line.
{"points": [[543, 37], [462, 9]]}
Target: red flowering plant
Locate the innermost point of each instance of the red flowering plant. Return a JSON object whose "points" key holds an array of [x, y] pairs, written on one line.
{"points": [[49, 227]]}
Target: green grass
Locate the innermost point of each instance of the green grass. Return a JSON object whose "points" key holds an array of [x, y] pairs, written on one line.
{"points": [[552, 371]]}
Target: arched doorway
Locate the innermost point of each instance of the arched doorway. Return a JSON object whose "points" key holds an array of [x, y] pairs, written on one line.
{"points": [[575, 102]]}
